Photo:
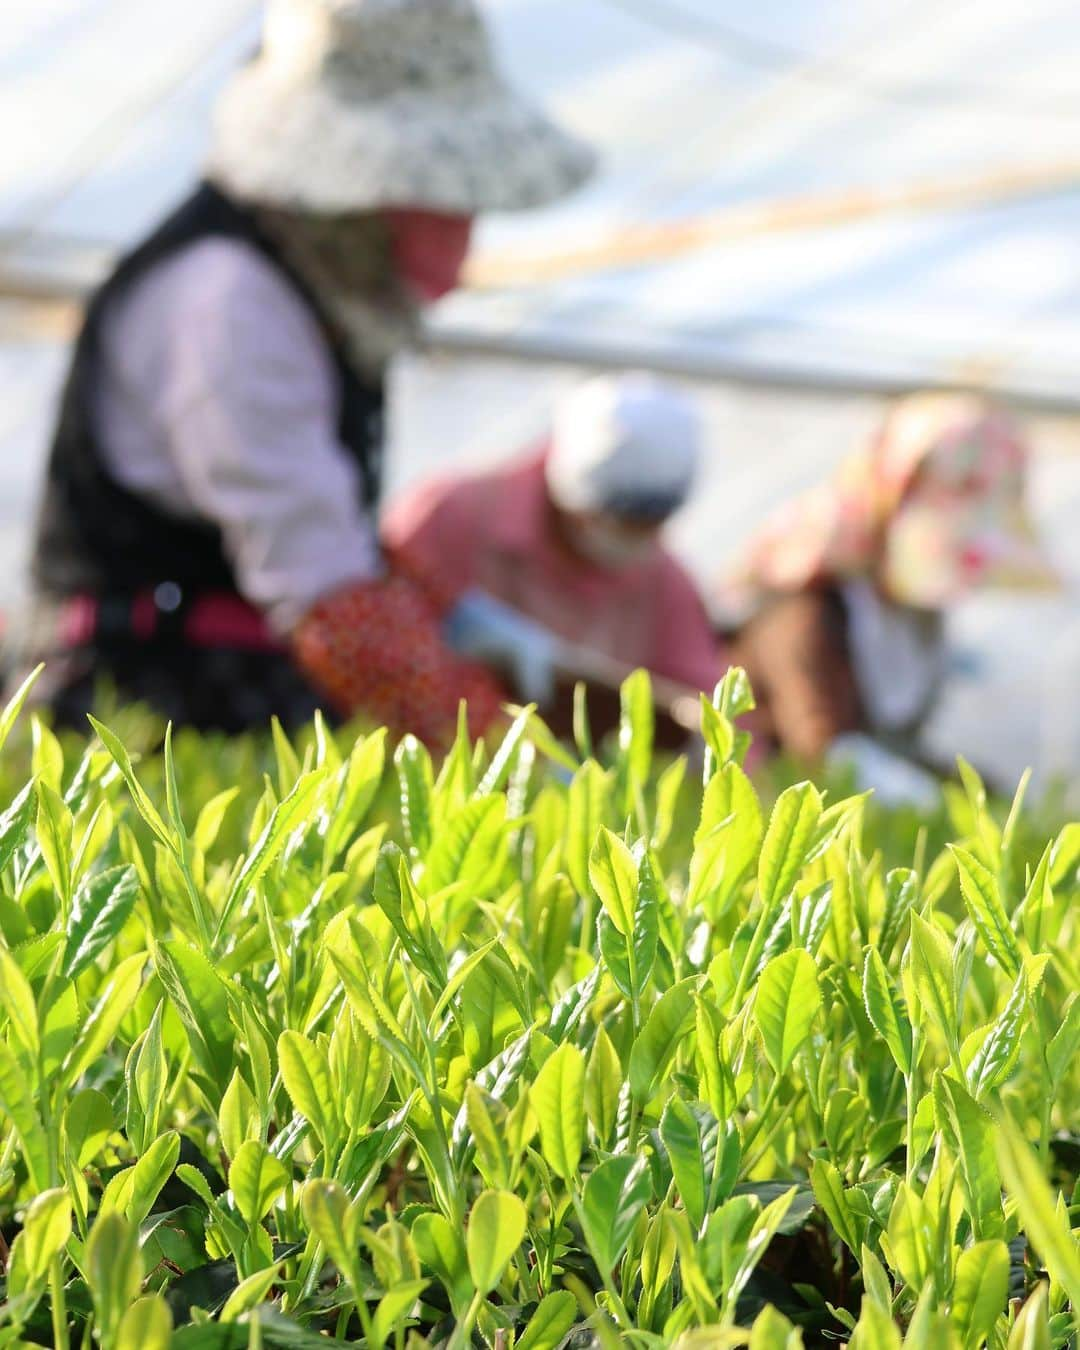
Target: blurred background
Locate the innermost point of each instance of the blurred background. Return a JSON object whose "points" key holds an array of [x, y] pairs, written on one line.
{"points": [[803, 208]]}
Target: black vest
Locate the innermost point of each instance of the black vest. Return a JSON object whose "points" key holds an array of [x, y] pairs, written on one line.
{"points": [[93, 535]]}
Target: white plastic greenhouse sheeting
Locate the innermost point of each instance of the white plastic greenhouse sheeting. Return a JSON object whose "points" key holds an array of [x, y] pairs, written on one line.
{"points": [[107, 103], [695, 106]]}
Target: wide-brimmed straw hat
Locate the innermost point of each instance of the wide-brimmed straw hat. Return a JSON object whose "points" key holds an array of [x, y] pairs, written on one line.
{"points": [[355, 104]]}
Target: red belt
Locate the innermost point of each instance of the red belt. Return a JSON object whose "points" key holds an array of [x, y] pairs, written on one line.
{"points": [[209, 619]]}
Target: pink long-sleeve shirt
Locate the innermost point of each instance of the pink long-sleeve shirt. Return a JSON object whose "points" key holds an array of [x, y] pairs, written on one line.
{"points": [[218, 398], [495, 531]]}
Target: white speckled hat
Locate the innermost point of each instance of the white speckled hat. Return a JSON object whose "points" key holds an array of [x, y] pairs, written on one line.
{"points": [[355, 104]]}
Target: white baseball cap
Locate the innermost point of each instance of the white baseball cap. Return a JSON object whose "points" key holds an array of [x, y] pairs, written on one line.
{"points": [[627, 444]]}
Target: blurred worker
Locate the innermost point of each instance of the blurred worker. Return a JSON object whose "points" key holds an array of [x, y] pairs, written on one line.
{"points": [[206, 539], [555, 564], [848, 586]]}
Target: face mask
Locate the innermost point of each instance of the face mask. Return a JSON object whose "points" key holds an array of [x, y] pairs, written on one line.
{"points": [[429, 250], [611, 545]]}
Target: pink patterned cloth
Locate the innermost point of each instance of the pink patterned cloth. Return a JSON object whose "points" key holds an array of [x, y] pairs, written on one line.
{"points": [[497, 531], [932, 508]]}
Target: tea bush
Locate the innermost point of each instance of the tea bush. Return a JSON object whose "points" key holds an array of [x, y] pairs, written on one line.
{"points": [[527, 1048]]}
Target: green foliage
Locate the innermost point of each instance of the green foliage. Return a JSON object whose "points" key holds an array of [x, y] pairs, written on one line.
{"points": [[320, 1039]]}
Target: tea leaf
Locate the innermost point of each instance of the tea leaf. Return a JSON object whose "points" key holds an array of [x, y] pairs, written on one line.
{"points": [[495, 1231], [101, 907], [980, 891], [334, 1220], [980, 1290], [17, 1000], [611, 1203], [586, 804], [557, 1097], [306, 1076], [603, 1084], [114, 1270], [614, 876], [1041, 1219], [554, 1316], [932, 971], [786, 1002], [147, 1325], [658, 1041], [46, 1229], [413, 764], [886, 1011], [969, 1133], [790, 831], [1031, 1331]]}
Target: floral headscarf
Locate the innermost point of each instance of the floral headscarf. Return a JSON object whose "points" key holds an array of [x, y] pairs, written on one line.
{"points": [[931, 509]]}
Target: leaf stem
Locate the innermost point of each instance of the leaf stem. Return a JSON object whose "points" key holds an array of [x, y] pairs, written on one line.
{"points": [[59, 1305]]}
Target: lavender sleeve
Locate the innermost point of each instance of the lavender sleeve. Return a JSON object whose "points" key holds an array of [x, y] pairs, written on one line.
{"points": [[221, 401]]}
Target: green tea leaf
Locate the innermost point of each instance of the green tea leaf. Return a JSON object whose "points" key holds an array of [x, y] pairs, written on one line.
{"points": [[681, 1131], [717, 1081], [554, 1316], [996, 1057], [886, 1011], [658, 1041], [586, 805], [875, 1330], [1065, 1045], [468, 847], [614, 1196], [417, 782], [290, 814], [201, 998], [495, 1231], [1042, 1221], [773, 1331], [969, 1133], [113, 1270], [557, 1097], [248, 1294], [603, 1084], [144, 805], [727, 840], [238, 1117], [636, 728], [15, 704], [788, 837], [46, 1229], [54, 831], [1031, 1330], [614, 876], [335, 1221], [100, 909], [109, 1010], [15, 823], [980, 1290], [981, 896], [932, 971], [442, 1250], [147, 1325], [828, 1190], [88, 1122], [17, 1000], [256, 1179], [306, 1076], [786, 1002]]}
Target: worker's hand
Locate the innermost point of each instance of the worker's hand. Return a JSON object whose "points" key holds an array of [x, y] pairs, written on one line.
{"points": [[484, 629], [895, 780]]}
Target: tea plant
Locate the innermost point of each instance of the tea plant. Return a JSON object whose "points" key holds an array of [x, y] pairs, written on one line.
{"points": [[525, 1049]]}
